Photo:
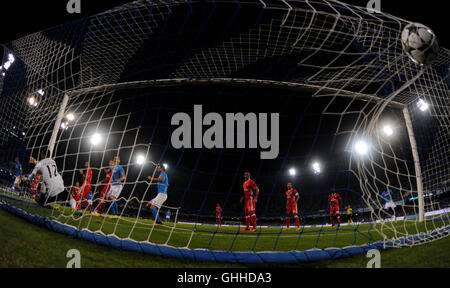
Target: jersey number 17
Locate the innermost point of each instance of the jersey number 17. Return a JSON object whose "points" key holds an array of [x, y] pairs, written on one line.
{"points": [[55, 173]]}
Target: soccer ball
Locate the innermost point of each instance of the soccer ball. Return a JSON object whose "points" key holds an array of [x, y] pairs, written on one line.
{"points": [[420, 43]]}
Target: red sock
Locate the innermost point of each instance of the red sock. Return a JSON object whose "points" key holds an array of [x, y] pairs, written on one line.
{"points": [[297, 221], [100, 208], [88, 206], [332, 221], [254, 221], [339, 221], [247, 221], [288, 222]]}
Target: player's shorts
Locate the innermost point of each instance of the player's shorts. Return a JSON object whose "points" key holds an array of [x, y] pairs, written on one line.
{"points": [[48, 198], [334, 211], [17, 180], [159, 200], [104, 192], [34, 187], [76, 197], [55, 190], [90, 198], [292, 210], [115, 191], [249, 206], [86, 191], [73, 203], [390, 204]]}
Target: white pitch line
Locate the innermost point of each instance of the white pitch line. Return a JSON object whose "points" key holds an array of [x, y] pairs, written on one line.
{"points": [[323, 233]]}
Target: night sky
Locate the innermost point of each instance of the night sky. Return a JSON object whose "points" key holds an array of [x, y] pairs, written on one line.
{"points": [[20, 18]]}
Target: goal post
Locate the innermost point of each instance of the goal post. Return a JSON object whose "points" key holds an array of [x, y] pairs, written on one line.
{"points": [[58, 122], [416, 158]]}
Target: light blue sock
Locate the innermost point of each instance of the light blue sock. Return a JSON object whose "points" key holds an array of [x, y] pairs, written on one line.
{"points": [[114, 208], [156, 215]]}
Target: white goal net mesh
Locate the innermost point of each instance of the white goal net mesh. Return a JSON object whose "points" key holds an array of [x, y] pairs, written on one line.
{"points": [[336, 74]]}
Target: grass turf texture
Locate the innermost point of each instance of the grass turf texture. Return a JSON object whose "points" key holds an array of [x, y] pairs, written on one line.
{"points": [[224, 238], [26, 245]]}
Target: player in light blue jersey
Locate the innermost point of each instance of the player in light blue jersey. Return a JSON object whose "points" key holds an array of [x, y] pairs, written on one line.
{"points": [[168, 214], [18, 176], [118, 176], [163, 184], [387, 195]]}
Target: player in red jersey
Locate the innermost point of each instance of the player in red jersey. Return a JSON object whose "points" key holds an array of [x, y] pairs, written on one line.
{"points": [[292, 198], [35, 185], [218, 215], [107, 183], [86, 187], [335, 199], [75, 197], [251, 193]]}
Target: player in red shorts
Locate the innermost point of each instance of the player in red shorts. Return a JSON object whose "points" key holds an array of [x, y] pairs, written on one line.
{"points": [[75, 197], [107, 183], [86, 187], [292, 198], [34, 186], [218, 215], [251, 192], [335, 199]]}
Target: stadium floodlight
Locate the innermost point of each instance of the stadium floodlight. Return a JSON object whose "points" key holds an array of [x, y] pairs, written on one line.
{"points": [[317, 168], [70, 117], [361, 147], [11, 58], [388, 130], [32, 101], [65, 125], [423, 105], [165, 166], [292, 172], [41, 92], [140, 160], [7, 65], [96, 139]]}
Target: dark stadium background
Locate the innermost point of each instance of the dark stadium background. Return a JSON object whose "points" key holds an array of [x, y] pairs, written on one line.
{"points": [[209, 177], [20, 18]]}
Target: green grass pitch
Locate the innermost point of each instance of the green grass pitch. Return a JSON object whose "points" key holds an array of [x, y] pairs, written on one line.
{"points": [[26, 245]]}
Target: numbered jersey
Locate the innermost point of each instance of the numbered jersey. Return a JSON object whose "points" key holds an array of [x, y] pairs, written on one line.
{"points": [[50, 176]]}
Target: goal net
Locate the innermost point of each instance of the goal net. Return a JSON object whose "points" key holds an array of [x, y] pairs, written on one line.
{"points": [[356, 116]]}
